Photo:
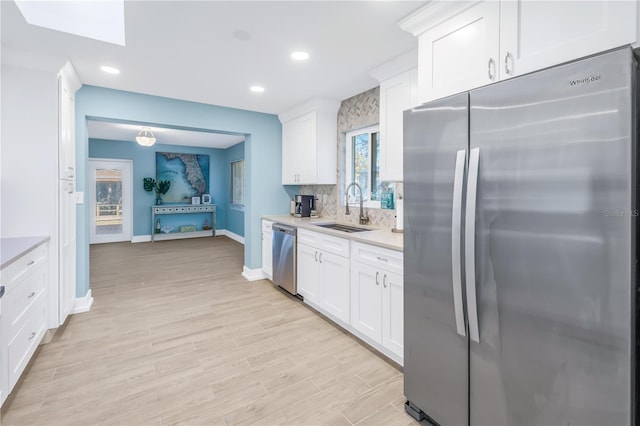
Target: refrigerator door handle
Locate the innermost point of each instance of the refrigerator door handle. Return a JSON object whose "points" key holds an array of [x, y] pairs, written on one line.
{"points": [[456, 254], [470, 244]]}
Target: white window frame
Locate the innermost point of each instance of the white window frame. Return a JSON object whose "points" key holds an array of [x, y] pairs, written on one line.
{"points": [[234, 205], [349, 161]]}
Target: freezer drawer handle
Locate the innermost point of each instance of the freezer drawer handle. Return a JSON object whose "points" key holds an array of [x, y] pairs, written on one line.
{"points": [[470, 242], [456, 253]]}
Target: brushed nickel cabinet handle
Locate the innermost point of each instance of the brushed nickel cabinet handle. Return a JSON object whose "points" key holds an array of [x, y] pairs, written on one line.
{"points": [[33, 293], [31, 262], [491, 69], [33, 334], [384, 281], [508, 58], [320, 257], [377, 278], [382, 259], [316, 256]]}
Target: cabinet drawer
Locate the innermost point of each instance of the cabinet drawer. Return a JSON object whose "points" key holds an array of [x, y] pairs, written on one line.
{"points": [[324, 242], [309, 237], [24, 344], [266, 226], [20, 302], [389, 260], [23, 266]]}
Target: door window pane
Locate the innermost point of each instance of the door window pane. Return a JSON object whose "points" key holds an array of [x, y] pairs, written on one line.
{"points": [[108, 201], [237, 182]]}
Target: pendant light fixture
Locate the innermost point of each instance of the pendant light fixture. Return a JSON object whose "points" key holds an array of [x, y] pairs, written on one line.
{"points": [[145, 137]]}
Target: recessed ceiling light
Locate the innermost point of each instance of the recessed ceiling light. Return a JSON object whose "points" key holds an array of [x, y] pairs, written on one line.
{"points": [[257, 89], [300, 55], [110, 70]]}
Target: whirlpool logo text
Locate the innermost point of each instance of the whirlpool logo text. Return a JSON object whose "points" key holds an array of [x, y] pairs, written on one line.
{"points": [[586, 80]]}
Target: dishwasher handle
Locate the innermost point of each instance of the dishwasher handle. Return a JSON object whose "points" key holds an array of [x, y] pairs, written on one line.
{"points": [[280, 227]]}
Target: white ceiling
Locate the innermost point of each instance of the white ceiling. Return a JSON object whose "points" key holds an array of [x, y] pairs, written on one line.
{"points": [[169, 136], [188, 50]]}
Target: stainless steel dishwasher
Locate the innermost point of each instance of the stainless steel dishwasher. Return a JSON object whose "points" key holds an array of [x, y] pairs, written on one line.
{"points": [[284, 257]]}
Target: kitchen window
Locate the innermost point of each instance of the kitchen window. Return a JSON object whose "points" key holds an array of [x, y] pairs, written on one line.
{"points": [[363, 165], [237, 183]]}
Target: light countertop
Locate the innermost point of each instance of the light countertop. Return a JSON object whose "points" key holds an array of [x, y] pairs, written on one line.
{"points": [[13, 248], [376, 236]]}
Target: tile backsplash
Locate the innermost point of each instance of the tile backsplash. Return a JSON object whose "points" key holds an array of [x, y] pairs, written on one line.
{"points": [[357, 112]]}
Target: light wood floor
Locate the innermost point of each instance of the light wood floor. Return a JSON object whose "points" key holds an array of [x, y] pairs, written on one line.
{"points": [[177, 336]]}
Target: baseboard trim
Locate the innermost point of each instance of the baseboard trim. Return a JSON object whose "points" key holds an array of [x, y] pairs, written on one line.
{"points": [[229, 234], [141, 239], [219, 232], [82, 304], [253, 274]]}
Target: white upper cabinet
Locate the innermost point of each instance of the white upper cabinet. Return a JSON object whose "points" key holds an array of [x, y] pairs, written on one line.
{"points": [[398, 92], [309, 143], [460, 53], [68, 85], [464, 45], [539, 34]]}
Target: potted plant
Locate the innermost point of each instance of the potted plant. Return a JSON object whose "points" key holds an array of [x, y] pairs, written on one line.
{"points": [[161, 187]]}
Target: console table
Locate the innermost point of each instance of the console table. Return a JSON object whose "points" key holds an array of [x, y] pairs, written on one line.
{"points": [[182, 209]]}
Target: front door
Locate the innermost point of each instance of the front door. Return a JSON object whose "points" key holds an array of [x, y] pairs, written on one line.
{"points": [[110, 198]]}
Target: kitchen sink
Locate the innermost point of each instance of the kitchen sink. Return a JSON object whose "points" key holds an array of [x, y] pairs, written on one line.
{"points": [[343, 228]]}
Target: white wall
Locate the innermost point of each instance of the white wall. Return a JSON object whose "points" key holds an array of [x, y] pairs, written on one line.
{"points": [[29, 162]]}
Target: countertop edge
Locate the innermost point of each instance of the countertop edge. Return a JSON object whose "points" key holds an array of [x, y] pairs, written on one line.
{"points": [[18, 246], [309, 224]]}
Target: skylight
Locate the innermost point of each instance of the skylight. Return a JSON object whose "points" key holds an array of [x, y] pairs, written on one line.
{"points": [[98, 20]]}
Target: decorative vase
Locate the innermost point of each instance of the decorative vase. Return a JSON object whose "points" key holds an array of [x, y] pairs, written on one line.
{"points": [[159, 201]]}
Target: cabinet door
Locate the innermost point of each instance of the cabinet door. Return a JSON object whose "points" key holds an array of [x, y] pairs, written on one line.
{"points": [[66, 144], [393, 313], [460, 53], [366, 300], [396, 95], [289, 171], [67, 247], [267, 254], [335, 285], [299, 156], [305, 142], [539, 34], [308, 276]]}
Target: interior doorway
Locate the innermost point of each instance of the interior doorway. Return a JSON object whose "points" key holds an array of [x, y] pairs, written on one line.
{"points": [[110, 196]]}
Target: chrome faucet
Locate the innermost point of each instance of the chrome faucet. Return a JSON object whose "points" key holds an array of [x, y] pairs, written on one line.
{"points": [[364, 219]]}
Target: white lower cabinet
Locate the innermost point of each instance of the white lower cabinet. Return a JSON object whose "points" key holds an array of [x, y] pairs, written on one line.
{"points": [[323, 273], [359, 286], [24, 320], [308, 279], [377, 299], [366, 300], [334, 285], [393, 312], [267, 250]]}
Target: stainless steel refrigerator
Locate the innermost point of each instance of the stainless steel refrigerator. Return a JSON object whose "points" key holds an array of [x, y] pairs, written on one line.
{"points": [[520, 249]]}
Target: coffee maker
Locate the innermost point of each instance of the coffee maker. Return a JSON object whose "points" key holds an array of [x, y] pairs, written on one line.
{"points": [[304, 205]]}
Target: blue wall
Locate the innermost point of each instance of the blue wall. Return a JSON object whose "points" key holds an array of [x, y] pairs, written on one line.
{"points": [[264, 193], [235, 216], [144, 165]]}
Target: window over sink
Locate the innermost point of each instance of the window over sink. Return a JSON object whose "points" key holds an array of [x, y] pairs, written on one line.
{"points": [[363, 166]]}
